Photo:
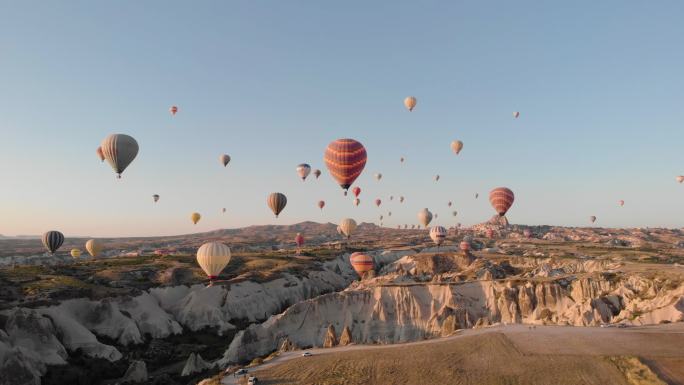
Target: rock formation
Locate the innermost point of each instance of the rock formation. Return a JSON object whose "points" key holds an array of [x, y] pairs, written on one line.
{"points": [[195, 364], [330, 337], [136, 373], [346, 337]]}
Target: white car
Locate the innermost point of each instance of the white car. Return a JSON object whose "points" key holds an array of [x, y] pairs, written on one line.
{"points": [[307, 354]]}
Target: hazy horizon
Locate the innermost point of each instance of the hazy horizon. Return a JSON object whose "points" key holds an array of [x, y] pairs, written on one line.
{"points": [[598, 87]]}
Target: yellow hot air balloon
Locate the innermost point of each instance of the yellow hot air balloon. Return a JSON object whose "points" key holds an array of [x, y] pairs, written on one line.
{"points": [[94, 247], [410, 103], [456, 146], [213, 257], [347, 226], [195, 217], [75, 253]]}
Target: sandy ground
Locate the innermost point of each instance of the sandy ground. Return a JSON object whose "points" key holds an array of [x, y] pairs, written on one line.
{"points": [[513, 354]]}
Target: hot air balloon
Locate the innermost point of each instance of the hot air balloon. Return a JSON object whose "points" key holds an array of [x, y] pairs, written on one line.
{"points": [[378, 202], [477, 195], [501, 199], [464, 246], [276, 201], [680, 178], [317, 173], [362, 263], [213, 257], [401, 199], [436, 215], [389, 214], [438, 234], [321, 204], [516, 114], [173, 110], [195, 217], [299, 240], [378, 176], [405, 226], [454, 213], [345, 159], [119, 150], [357, 201], [155, 197], [100, 154], [356, 191], [347, 226], [621, 202], [410, 103], [424, 217], [456, 146], [224, 159], [437, 178], [52, 240], [449, 204], [391, 197], [75, 253], [401, 159], [527, 233], [223, 210], [303, 170], [94, 247], [489, 233], [381, 217], [592, 218]]}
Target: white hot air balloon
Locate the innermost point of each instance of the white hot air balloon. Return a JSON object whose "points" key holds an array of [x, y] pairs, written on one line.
{"points": [[213, 257], [438, 234], [347, 226], [378, 176], [424, 217], [303, 170], [516, 114]]}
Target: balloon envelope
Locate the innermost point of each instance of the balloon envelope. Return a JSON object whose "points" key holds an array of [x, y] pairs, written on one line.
{"points": [[410, 103], [276, 201], [195, 217], [119, 151], [224, 159], [456, 146], [424, 217], [303, 170], [362, 263], [213, 257], [94, 247], [345, 159], [347, 226], [52, 240], [75, 253], [501, 198], [438, 234]]}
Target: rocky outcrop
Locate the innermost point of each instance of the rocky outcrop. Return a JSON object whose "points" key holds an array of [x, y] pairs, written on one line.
{"points": [[136, 373], [398, 313], [346, 337], [195, 364], [330, 339]]}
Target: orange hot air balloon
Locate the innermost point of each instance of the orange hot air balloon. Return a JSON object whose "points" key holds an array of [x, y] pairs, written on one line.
{"points": [[362, 263], [501, 199], [680, 178], [173, 110], [321, 204], [378, 202], [410, 103], [100, 154], [299, 240], [345, 159], [356, 191]]}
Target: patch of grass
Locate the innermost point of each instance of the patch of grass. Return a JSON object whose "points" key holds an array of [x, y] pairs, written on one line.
{"points": [[635, 371]]}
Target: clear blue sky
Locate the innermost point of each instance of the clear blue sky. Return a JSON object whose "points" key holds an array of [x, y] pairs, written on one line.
{"points": [[599, 85]]}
